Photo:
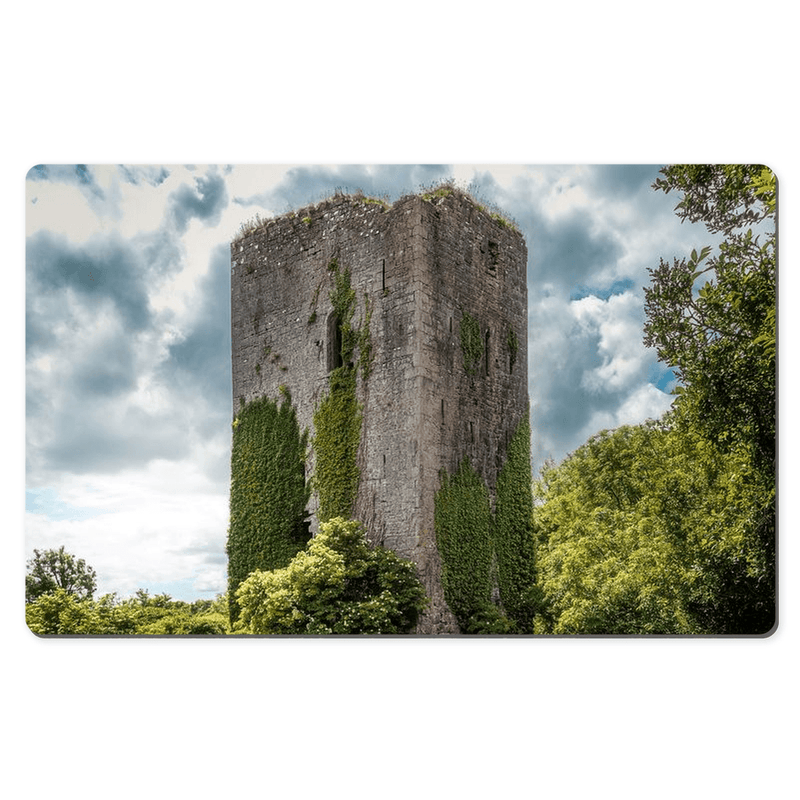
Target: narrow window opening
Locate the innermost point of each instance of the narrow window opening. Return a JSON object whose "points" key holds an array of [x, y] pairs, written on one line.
{"points": [[471, 433], [451, 324], [486, 351], [383, 274], [334, 342], [443, 409], [494, 258]]}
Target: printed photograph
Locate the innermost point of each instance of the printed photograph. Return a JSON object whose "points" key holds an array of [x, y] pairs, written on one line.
{"points": [[401, 400]]}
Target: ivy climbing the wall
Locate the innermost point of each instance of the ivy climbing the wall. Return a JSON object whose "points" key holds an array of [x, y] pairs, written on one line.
{"points": [[338, 417], [269, 491], [513, 535], [343, 300], [337, 433], [463, 524], [474, 544]]}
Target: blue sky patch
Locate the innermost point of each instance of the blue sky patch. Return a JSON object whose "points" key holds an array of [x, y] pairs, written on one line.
{"points": [[618, 287], [663, 378], [47, 502]]}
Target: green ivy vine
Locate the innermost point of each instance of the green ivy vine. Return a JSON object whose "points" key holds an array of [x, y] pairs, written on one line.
{"points": [[478, 547], [338, 417], [269, 491], [463, 526], [513, 533], [337, 434]]}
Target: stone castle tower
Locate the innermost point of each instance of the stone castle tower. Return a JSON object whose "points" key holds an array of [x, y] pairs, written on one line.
{"points": [[440, 289]]}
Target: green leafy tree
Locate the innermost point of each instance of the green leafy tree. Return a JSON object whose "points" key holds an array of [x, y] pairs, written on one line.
{"points": [[712, 318], [337, 585], [50, 570], [719, 338], [724, 197], [645, 530]]}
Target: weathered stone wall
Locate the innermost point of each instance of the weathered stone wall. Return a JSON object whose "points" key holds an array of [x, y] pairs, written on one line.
{"points": [[423, 264]]}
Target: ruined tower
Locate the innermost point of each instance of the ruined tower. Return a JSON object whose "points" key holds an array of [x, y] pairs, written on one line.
{"points": [[439, 307]]}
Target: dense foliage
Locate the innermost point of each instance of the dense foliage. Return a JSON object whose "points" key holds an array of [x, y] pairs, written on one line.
{"points": [[61, 613], [337, 585], [337, 434], [50, 570], [269, 491], [645, 530], [482, 551], [713, 319], [513, 538], [463, 523]]}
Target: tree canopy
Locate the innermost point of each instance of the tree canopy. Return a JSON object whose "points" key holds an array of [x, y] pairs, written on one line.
{"points": [[713, 319], [646, 529], [50, 570], [723, 197]]}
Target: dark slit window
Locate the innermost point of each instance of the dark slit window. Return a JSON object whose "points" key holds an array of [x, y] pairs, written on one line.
{"points": [[334, 342]]}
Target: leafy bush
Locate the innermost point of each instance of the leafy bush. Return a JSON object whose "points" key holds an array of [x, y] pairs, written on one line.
{"points": [[62, 613], [337, 585]]}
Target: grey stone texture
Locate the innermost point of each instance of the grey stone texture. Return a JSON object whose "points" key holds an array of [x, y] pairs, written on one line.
{"points": [[423, 264]]}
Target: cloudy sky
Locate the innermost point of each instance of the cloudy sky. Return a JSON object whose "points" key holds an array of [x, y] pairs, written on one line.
{"points": [[128, 337]]}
